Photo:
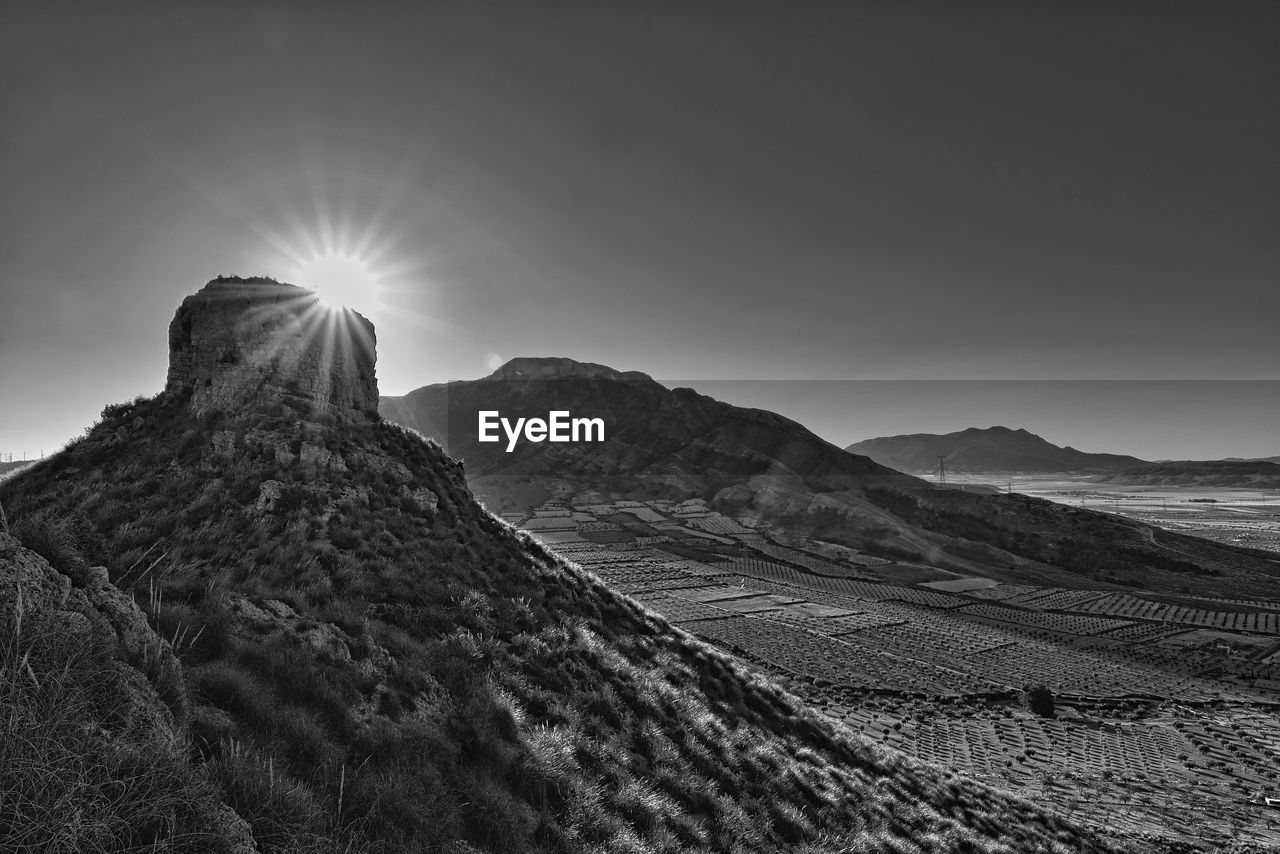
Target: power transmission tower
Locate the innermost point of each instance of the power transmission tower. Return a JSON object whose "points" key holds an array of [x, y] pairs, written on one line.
{"points": [[942, 469]]}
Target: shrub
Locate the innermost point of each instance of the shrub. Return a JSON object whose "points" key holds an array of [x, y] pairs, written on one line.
{"points": [[1040, 700], [282, 811], [56, 539]]}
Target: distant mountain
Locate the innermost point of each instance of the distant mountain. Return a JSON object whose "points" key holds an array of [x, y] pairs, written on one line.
{"points": [[1244, 459], [1243, 474], [994, 449], [750, 464], [653, 435]]}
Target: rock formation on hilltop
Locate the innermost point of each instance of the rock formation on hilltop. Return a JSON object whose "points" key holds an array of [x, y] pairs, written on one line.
{"points": [[243, 340]]}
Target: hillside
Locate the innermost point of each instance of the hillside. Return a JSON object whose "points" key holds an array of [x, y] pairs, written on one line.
{"points": [[989, 450], [369, 661], [6, 468], [765, 469], [1241, 474], [90, 751], [655, 437]]}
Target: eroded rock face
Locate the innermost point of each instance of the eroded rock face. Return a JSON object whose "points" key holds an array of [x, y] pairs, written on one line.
{"points": [[240, 344]]}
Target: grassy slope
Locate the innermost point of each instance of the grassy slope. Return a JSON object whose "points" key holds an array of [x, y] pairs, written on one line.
{"points": [[74, 775], [8, 468], [444, 684]]}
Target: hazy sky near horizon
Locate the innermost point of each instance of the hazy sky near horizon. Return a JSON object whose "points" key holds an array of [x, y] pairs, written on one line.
{"points": [[1149, 419], [746, 191]]}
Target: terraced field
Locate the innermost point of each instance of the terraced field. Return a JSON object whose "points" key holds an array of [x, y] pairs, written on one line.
{"points": [[1072, 624], [1166, 708], [1124, 605], [1129, 774]]}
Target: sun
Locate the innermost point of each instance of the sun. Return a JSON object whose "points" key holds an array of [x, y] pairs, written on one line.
{"points": [[342, 281]]}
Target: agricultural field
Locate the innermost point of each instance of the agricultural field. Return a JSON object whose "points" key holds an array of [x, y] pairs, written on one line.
{"points": [[1238, 517], [1161, 717]]}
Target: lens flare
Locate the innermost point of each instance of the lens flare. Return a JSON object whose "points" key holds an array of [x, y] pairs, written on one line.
{"points": [[342, 281]]}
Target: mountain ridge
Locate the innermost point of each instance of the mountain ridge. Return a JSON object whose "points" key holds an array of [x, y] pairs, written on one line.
{"points": [[767, 469], [559, 367], [1234, 474], [986, 450], [631, 404]]}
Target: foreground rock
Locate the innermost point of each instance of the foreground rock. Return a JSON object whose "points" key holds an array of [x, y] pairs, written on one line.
{"points": [[95, 712]]}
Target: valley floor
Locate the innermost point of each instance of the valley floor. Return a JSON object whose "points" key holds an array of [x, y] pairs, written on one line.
{"points": [[1164, 707], [1238, 517]]}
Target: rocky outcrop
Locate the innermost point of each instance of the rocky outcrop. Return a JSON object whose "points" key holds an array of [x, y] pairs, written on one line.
{"points": [[98, 614], [240, 344], [51, 630]]}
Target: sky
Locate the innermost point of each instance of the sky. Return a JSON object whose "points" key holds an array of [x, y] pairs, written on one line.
{"points": [[719, 192], [1149, 419]]}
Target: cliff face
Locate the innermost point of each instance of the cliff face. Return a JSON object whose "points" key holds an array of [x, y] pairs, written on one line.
{"points": [[237, 343]]}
